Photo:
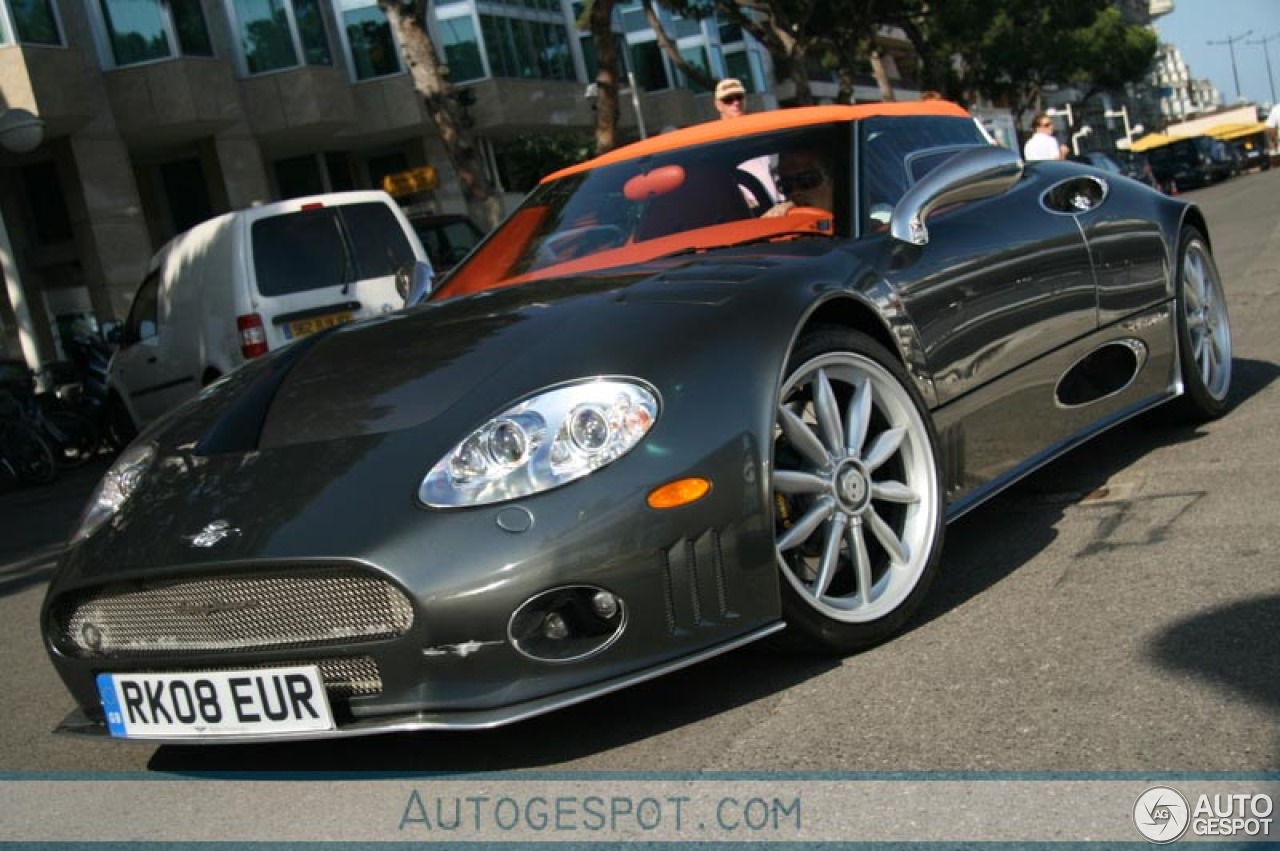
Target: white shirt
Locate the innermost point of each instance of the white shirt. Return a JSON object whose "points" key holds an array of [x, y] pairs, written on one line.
{"points": [[1273, 117], [762, 169], [1041, 146]]}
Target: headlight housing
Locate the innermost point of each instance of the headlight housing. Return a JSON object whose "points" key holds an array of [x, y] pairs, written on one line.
{"points": [[545, 441], [115, 488]]}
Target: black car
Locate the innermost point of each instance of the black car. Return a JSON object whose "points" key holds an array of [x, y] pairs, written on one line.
{"points": [[447, 238], [1132, 165], [1191, 162], [645, 422]]}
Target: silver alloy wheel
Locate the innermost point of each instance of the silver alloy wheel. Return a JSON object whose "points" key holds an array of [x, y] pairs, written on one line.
{"points": [[855, 492], [1205, 309]]}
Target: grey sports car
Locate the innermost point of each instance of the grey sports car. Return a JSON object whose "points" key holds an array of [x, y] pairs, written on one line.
{"points": [[727, 383]]}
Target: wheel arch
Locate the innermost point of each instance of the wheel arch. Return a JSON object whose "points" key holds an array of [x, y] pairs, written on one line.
{"points": [[897, 336]]}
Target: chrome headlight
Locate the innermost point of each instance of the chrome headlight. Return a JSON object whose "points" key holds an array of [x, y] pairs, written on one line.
{"points": [[543, 442], [119, 483]]}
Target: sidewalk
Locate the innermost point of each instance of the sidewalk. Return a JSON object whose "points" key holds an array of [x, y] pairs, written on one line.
{"points": [[35, 521]]}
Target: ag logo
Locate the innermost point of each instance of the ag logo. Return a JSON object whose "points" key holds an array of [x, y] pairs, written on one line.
{"points": [[1161, 814]]}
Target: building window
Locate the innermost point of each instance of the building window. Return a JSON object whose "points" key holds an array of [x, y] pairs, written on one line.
{"points": [[147, 30], [35, 21], [274, 33], [650, 70], [373, 49], [529, 49], [738, 64], [697, 57], [457, 38]]}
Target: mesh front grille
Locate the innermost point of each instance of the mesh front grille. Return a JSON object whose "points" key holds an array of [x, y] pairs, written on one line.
{"points": [[355, 677], [303, 608]]}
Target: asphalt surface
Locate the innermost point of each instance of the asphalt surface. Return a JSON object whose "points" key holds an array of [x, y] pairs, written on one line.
{"points": [[1118, 611]]}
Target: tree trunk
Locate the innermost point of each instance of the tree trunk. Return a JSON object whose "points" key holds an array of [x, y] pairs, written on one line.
{"points": [[431, 80], [669, 47], [600, 16]]}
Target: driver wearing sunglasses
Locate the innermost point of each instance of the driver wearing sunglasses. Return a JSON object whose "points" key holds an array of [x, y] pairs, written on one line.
{"points": [[805, 182]]}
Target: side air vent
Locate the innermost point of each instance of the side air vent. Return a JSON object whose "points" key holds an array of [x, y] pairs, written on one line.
{"points": [[1101, 373]]}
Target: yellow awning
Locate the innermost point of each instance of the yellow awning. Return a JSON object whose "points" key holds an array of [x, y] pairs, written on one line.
{"points": [[1227, 132], [1149, 141]]}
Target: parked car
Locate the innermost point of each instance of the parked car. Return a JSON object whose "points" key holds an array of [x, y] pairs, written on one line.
{"points": [[638, 427], [447, 238], [1134, 166], [248, 282], [1191, 162]]}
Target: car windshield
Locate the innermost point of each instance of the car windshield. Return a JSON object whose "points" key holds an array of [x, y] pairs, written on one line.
{"points": [[690, 199]]}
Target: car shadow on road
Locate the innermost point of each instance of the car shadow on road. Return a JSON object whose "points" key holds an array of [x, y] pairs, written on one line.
{"points": [[981, 549], [984, 547], [1231, 646]]}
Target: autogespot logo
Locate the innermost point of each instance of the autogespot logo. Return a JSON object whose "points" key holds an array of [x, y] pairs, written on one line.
{"points": [[1161, 814]]}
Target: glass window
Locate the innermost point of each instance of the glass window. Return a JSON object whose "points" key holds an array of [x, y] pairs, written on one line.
{"points": [[35, 21], [373, 49], [650, 70], [461, 49], [527, 49], [187, 193], [315, 44], [899, 151], [140, 30], [189, 24], [269, 39], [136, 30], [697, 57], [738, 64], [310, 249], [143, 314]]}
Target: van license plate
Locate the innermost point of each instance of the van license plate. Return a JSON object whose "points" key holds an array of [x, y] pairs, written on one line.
{"points": [[302, 327], [259, 701]]}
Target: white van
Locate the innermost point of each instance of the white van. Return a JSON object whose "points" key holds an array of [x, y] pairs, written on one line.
{"points": [[248, 282]]}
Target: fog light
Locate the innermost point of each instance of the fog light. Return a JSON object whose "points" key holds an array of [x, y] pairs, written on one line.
{"points": [[604, 604], [567, 624]]}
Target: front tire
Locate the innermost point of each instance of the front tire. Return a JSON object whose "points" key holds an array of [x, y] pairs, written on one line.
{"points": [[857, 495], [1204, 332]]}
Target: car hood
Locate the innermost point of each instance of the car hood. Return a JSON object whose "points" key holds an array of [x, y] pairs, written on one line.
{"points": [[479, 354]]}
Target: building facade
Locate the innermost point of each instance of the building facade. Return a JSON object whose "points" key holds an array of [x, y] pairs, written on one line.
{"points": [[159, 114]]}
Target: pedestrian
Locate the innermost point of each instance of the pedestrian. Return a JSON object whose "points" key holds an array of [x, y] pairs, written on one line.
{"points": [[1043, 145], [731, 98], [731, 102]]}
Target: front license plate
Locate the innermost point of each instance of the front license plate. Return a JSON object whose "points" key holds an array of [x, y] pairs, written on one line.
{"points": [[303, 327], [195, 705]]}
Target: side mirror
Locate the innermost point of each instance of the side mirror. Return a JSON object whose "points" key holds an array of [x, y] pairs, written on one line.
{"points": [[974, 173], [413, 283]]}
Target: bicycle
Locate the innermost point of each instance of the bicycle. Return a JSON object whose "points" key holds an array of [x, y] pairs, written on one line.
{"points": [[73, 437], [24, 454]]}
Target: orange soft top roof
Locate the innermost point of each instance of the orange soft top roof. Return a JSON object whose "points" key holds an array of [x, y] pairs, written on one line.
{"points": [[718, 130]]}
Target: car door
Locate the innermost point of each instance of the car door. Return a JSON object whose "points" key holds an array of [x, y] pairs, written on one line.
{"points": [[150, 381], [1001, 282]]}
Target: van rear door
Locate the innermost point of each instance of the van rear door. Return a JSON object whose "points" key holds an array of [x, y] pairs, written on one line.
{"points": [[324, 264]]}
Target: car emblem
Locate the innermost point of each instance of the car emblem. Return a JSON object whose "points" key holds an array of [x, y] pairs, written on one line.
{"points": [[216, 531]]}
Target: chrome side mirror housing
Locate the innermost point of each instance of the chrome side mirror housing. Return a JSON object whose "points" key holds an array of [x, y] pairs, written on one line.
{"points": [[414, 283], [971, 174]]}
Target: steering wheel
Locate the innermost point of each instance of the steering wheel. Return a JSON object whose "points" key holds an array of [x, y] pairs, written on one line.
{"points": [[753, 187]]}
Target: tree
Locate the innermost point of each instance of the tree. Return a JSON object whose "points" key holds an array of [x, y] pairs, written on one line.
{"points": [[598, 16], [431, 80]]}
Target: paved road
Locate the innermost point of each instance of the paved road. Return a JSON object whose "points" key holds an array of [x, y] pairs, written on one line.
{"points": [[1120, 611]]}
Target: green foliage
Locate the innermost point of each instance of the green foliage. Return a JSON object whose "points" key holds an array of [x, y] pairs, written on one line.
{"points": [[525, 160]]}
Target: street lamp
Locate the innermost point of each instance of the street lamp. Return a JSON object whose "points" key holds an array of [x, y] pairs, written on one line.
{"points": [[1271, 80], [1230, 42], [1084, 130], [1123, 114], [1065, 109], [20, 131]]}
